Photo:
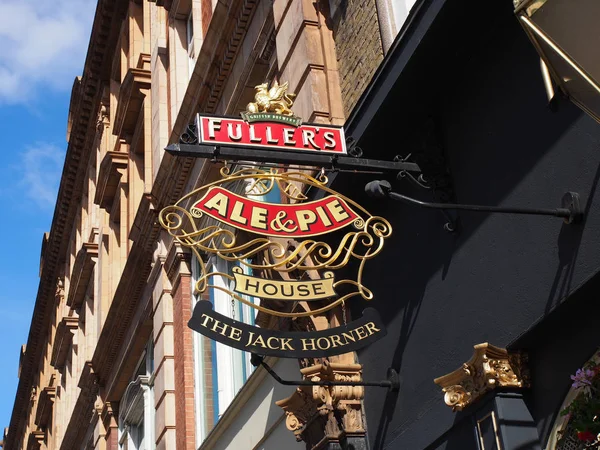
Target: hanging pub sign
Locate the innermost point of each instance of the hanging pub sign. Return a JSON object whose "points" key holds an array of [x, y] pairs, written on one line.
{"points": [[284, 257]]}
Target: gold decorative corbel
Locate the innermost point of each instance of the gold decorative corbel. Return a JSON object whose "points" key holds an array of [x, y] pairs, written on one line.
{"points": [[326, 413], [489, 368]]}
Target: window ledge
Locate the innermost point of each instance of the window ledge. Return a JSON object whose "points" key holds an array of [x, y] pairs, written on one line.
{"points": [[36, 440], [131, 99], [44, 406], [109, 176], [62, 341], [82, 272]]}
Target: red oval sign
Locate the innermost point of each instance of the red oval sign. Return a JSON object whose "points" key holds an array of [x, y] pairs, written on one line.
{"points": [[291, 220]]}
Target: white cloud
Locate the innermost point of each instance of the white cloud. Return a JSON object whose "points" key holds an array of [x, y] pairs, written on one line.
{"points": [[43, 44], [41, 169]]}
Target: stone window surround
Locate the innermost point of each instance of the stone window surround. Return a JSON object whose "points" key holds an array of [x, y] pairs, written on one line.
{"points": [[137, 404]]}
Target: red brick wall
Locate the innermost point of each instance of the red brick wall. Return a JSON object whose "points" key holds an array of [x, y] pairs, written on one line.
{"points": [[112, 438], [184, 366], [207, 9], [208, 384]]}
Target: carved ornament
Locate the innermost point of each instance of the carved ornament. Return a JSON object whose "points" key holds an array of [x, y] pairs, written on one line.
{"points": [[60, 291], [177, 263], [334, 411], [274, 100], [36, 440], [108, 416], [489, 368]]}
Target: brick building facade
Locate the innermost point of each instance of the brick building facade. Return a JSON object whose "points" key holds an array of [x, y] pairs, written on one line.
{"points": [[109, 362]]}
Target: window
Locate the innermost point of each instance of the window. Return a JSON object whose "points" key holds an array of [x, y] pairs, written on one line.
{"points": [[401, 10], [189, 33], [136, 409], [232, 365], [217, 365], [226, 368]]}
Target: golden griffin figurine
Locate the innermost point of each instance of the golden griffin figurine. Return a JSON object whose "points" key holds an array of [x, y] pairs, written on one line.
{"points": [[275, 100]]}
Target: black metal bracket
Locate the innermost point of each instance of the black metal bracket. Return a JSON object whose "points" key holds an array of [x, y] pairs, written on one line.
{"points": [[392, 382], [325, 160], [570, 209]]}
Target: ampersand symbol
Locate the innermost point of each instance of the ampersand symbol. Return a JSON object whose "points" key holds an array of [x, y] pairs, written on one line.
{"points": [[287, 226]]}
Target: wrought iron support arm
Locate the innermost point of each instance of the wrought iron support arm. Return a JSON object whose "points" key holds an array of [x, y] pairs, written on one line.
{"points": [[570, 209], [326, 160], [392, 382]]}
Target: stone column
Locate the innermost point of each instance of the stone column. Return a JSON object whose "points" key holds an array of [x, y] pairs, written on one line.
{"points": [[164, 384], [99, 437], [179, 272], [111, 427]]}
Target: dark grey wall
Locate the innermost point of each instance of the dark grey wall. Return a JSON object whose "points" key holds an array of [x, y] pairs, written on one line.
{"points": [[501, 277]]}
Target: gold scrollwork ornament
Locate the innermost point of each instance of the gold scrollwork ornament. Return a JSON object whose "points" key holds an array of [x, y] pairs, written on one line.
{"points": [[182, 221]]}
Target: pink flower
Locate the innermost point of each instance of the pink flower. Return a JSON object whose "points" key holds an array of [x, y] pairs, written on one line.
{"points": [[583, 377]]}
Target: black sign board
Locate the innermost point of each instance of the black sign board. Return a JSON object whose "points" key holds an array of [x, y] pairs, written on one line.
{"points": [[287, 344]]}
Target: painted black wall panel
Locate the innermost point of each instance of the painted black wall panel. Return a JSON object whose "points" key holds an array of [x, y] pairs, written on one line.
{"points": [[557, 347], [460, 437], [439, 293]]}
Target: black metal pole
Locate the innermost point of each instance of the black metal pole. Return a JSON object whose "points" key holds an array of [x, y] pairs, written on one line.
{"points": [[392, 381], [571, 213], [276, 156], [556, 212]]}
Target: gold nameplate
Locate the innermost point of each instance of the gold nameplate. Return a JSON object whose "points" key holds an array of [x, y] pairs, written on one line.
{"points": [[284, 290]]}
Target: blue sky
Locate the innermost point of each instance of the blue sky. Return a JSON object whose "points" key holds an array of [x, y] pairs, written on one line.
{"points": [[42, 48]]}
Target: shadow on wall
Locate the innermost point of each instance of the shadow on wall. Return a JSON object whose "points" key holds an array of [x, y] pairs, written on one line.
{"points": [[460, 437], [409, 272]]}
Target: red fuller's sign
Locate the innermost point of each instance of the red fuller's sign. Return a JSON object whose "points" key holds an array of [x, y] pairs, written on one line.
{"points": [[284, 136], [300, 219]]}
